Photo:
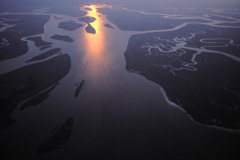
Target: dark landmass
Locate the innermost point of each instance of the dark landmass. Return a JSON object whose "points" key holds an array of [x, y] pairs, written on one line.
{"points": [[109, 26], [133, 21], [58, 18], [25, 25], [62, 38], [79, 89], [216, 17], [90, 29], [70, 26], [229, 24], [39, 98], [45, 54], [39, 42], [229, 13], [217, 39], [208, 90], [27, 81], [87, 19], [61, 137], [88, 9], [45, 47]]}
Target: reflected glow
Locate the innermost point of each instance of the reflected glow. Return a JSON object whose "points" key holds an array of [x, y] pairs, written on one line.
{"points": [[95, 45], [93, 13]]}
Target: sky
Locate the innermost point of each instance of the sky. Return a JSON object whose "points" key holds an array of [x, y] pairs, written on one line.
{"points": [[141, 4], [183, 3]]}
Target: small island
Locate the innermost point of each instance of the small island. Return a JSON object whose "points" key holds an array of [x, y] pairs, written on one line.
{"points": [[90, 29], [107, 25], [70, 25], [39, 42], [62, 38], [87, 19], [45, 54]]}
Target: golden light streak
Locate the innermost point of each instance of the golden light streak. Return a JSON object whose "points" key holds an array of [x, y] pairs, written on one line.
{"points": [[95, 44]]}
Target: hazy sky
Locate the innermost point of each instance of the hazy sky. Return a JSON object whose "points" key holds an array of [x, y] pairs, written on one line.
{"points": [[154, 4], [183, 3]]}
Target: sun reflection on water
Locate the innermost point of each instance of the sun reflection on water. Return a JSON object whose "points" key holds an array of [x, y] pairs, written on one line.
{"points": [[95, 45], [93, 13]]}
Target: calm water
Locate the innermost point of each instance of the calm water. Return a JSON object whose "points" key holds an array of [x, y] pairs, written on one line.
{"points": [[117, 114]]}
